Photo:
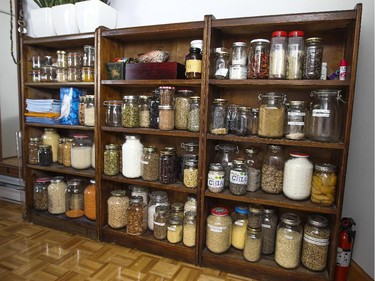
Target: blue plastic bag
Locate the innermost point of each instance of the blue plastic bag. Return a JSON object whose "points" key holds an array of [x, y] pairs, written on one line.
{"points": [[69, 99]]}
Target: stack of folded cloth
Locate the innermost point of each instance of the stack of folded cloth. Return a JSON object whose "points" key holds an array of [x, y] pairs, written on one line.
{"points": [[45, 111]]}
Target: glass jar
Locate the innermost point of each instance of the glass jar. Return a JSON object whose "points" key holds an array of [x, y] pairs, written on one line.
{"points": [[62, 75], [178, 168], [157, 198], [193, 64], [254, 169], [190, 176], [67, 149], [254, 120], [90, 110], [194, 114], [239, 53], [81, 110], [238, 177], [215, 178], [273, 170], [225, 154], [295, 120], [130, 112], [90, 200], [239, 218], [255, 216], [174, 231], [81, 152], [40, 194], [177, 209], [144, 111], [111, 160], [166, 117], [259, 59], [167, 95], [36, 62], [253, 244], [315, 243], [324, 120], [113, 113], [140, 191], [74, 74], [131, 156], [137, 216], [74, 59], [182, 107], [324, 179], [189, 151], [48, 74], [45, 155], [57, 195], [288, 241], [312, 65], [218, 117], [167, 173], [61, 59], [35, 75], [88, 55], [295, 55], [33, 147], [271, 115], [189, 229], [278, 55], [219, 230], [74, 199], [48, 60], [88, 74], [190, 204], [154, 109], [51, 137], [150, 164], [221, 63], [243, 121], [269, 226], [60, 150], [161, 218], [118, 204], [297, 178], [237, 72], [232, 112]]}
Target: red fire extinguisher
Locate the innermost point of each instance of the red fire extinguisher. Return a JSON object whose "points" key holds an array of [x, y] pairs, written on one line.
{"points": [[344, 249]]}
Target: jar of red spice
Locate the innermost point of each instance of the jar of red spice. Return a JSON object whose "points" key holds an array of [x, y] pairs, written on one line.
{"points": [[90, 201], [259, 59]]}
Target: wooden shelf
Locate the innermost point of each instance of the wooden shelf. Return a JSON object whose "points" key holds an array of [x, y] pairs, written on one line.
{"points": [[57, 126], [60, 169], [58, 85], [64, 41], [152, 83], [148, 131]]}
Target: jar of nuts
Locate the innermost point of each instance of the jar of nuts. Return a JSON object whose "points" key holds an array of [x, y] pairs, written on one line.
{"points": [[137, 216], [219, 230], [118, 204]]}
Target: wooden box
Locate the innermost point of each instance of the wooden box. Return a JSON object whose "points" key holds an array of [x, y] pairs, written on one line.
{"points": [[157, 70]]}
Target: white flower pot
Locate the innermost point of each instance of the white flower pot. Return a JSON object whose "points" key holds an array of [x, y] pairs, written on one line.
{"points": [[94, 13], [42, 22], [64, 19]]}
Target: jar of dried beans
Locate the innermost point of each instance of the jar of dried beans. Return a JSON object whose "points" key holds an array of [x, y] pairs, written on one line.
{"points": [[166, 117], [40, 194], [271, 115], [118, 204], [219, 230], [255, 216], [273, 170], [167, 95], [137, 216], [57, 195], [90, 200], [67, 149], [33, 147], [259, 59], [167, 173]]}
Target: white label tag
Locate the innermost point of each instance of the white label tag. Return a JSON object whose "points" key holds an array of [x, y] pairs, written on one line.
{"points": [[320, 112], [316, 241]]}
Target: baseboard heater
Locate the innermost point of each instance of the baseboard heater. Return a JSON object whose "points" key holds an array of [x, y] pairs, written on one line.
{"points": [[12, 189]]}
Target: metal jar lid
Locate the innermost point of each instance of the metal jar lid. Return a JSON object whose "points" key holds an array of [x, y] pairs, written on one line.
{"points": [[290, 219], [118, 193], [318, 221]]}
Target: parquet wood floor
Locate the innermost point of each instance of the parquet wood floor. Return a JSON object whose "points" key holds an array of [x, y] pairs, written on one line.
{"points": [[31, 252]]}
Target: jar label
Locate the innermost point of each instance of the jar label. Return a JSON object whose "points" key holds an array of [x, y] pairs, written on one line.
{"points": [[239, 222], [320, 112], [296, 113], [215, 228], [294, 123], [266, 225], [221, 72], [172, 228], [215, 181], [193, 66], [144, 162], [238, 177], [159, 223], [316, 241]]}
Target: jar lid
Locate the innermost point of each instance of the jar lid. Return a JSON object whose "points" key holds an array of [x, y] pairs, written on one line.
{"points": [[175, 220], [238, 161], [161, 209], [74, 182], [49, 129], [166, 152], [216, 167], [241, 210], [88, 47], [170, 148], [80, 136], [252, 230], [138, 188], [185, 91], [290, 218], [57, 179], [112, 103], [92, 181], [118, 193], [314, 40], [251, 150], [149, 149], [90, 97], [268, 210], [299, 155], [177, 206], [167, 88], [43, 180], [132, 137], [44, 146], [219, 211], [255, 209], [68, 139], [326, 93], [239, 44], [165, 107], [244, 108], [279, 33], [130, 98], [274, 147], [255, 110], [259, 41], [189, 145], [272, 95], [220, 101], [226, 147], [296, 33], [318, 221], [296, 102], [136, 199], [191, 197], [159, 195], [221, 51], [111, 146], [325, 167], [34, 139], [190, 215], [196, 41], [195, 98]]}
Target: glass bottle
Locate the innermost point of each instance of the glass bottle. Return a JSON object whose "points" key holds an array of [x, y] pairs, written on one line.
{"points": [[140, 191], [182, 108], [278, 55], [144, 111], [225, 154], [118, 204], [239, 53], [312, 65], [57, 195], [243, 121], [190, 175], [255, 216], [51, 137], [45, 155], [323, 186], [197, 43], [74, 199], [40, 194], [174, 231], [88, 55], [295, 55], [239, 218], [238, 177], [154, 109], [189, 229], [90, 111], [131, 156], [157, 198], [219, 230], [193, 64], [295, 120], [113, 113], [167, 173], [150, 164], [81, 110], [111, 160], [167, 95], [218, 117], [60, 149], [33, 147], [254, 120], [253, 244], [90, 200], [269, 226], [271, 115], [130, 112], [166, 117], [67, 149], [215, 178], [194, 114], [259, 59], [273, 170], [232, 112], [81, 152], [288, 241], [254, 169], [161, 218], [137, 216], [221, 63]]}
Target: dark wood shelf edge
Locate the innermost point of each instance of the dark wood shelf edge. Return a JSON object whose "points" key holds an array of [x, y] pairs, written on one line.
{"points": [[57, 168], [57, 85], [149, 131], [151, 83], [318, 84], [58, 39], [59, 126]]}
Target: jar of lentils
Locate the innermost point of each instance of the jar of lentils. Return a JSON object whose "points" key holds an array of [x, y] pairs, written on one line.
{"points": [[137, 216], [269, 225], [118, 204], [215, 178], [130, 112], [89, 196], [40, 194], [238, 177], [74, 199], [111, 160], [161, 217], [57, 195], [182, 109], [219, 230], [33, 150], [194, 114], [150, 164]]}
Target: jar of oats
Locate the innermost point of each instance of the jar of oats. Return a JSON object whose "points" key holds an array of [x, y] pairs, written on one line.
{"points": [[219, 230], [118, 204]]}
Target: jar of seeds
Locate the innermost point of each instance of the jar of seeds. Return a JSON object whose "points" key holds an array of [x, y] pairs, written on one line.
{"points": [[218, 117], [219, 230], [33, 150], [130, 112], [239, 218], [161, 217], [167, 95], [312, 64], [166, 117], [273, 170], [174, 231], [189, 229], [150, 164], [190, 177], [253, 244], [118, 204], [315, 243], [57, 195], [137, 216], [194, 114], [238, 177], [215, 178], [255, 216], [144, 111], [182, 107], [269, 225], [254, 168], [74, 199], [111, 160], [40, 194], [288, 241]]}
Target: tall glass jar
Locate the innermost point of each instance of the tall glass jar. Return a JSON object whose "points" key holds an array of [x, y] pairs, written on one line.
{"points": [[323, 190], [174, 231], [118, 204], [130, 112], [239, 53], [297, 178], [278, 51], [253, 244], [219, 230], [166, 117], [225, 154], [190, 176], [140, 191], [288, 241], [193, 64], [45, 155], [315, 243], [167, 173], [81, 110], [189, 151], [74, 199], [295, 55], [154, 109], [273, 170], [254, 120], [232, 112], [295, 120], [259, 59], [137, 216], [113, 113], [157, 198], [243, 121], [144, 111], [167, 95], [178, 168], [67, 151], [60, 149], [182, 109], [218, 117], [150, 164], [33, 147], [221, 63], [312, 65], [271, 115], [215, 178], [88, 55], [111, 159], [40, 194], [51, 137], [61, 59], [90, 110], [57, 195], [189, 229], [90, 200], [194, 114], [238, 177], [255, 216], [269, 226], [254, 169], [131, 156], [324, 120], [239, 218], [161, 218], [81, 152]]}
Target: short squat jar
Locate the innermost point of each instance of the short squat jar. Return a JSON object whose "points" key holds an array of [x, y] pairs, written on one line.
{"points": [[271, 115], [238, 177], [118, 204], [174, 231], [150, 164], [81, 152], [111, 159], [273, 170], [40, 194], [57, 195], [215, 178], [219, 230]]}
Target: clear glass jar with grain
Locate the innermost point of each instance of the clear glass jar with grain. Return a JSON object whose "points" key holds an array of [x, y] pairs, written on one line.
{"points": [[219, 230]]}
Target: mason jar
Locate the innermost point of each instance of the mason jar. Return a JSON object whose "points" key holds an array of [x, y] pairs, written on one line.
{"points": [[113, 113], [45, 155], [89, 196], [239, 225], [118, 204], [137, 216], [40, 194], [161, 218], [243, 121], [167, 173], [269, 226], [74, 199], [238, 177], [255, 216], [167, 95], [111, 160], [142, 191], [57, 195], [313, 59], [81, 110], [190, 175], [166, 117], [218, 117], [254, 169], [189, 229], [194, 114], [60, 150], [259, 59], [67, 151], [253, 244], [182, 107], [221, 63], [324, 180], [295, 120], [132, 155], [295, 55], [254, 121], [219, 230], [130, 112], [33, 147], [271, 115], [51, 137], [189, 151], [174, 231], [239, 53], [81, 152], [232, 112], [90, 110], [215, 178], [273, 170], [144, 111], [150, 164], [157, 198]]}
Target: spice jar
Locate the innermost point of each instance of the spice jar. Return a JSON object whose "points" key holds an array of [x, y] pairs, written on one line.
{"points": [[239, 218], [150, 164], [167, 95], [161, 218], [278, 55], [312, 65], [113, 113], [131, 156], [273, 170], [90, 200], [130, 112], [269, 226], [254, 168], [271, 115], [88, 74], [48, 74], [182, 107], [118, 204], [189, 229], [166, 117], [60, 149], [254, 120], [81, 152], [295, 120], [297, 178], [288, 241], [190, 175], [315, 243], [45, 155], [323, 122], [189, 151], [111, 160], [238, 177], [57, 195], [174, 231], [225, 154], [144, 111], [67, 149], [237, 72], [154, 109], [193, 64], [74, 59], [259, 59], [215, 178], [218, 117], [190, 204], [74, 199], [40, 194], [74, 74], [243, 121], [324, 181], [157, 198], [51, 137], [140, 191], [295, 55], [239, 53], [89, 110], [33, 147], [219, 230], [253, 244], [232, 112], [137, 216], [255, 216], [221, 63], [81, 110], [88, 55], [167, 173], [194, 114], [35, 75], [61, 75]]}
